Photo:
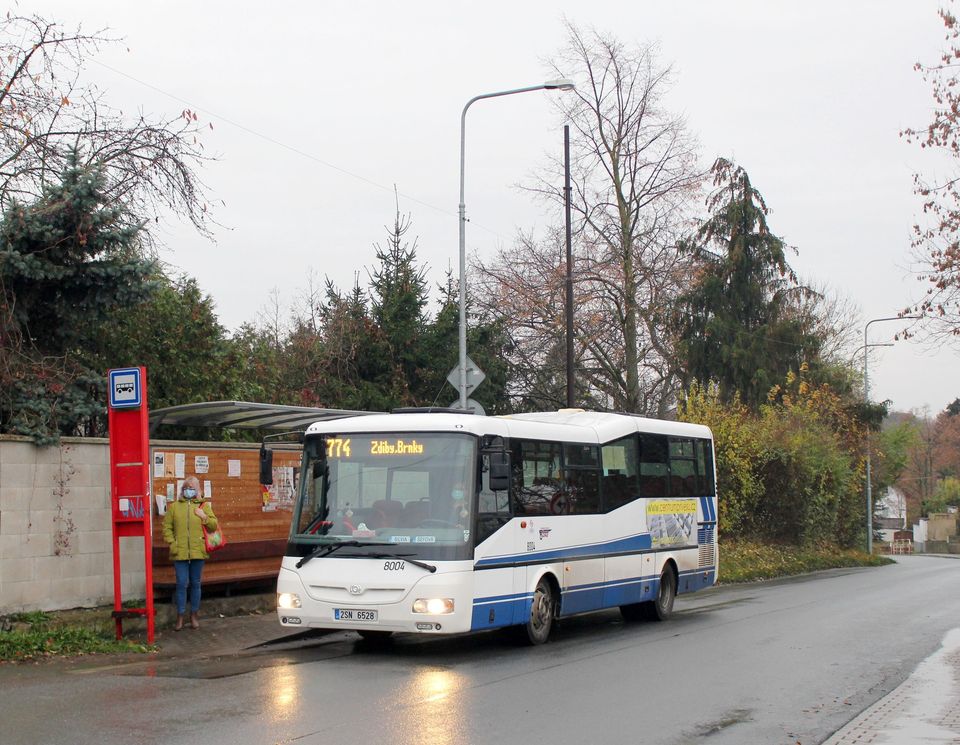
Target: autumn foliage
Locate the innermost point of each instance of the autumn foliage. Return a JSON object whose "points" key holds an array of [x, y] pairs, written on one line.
{"points": [[791, 472]]}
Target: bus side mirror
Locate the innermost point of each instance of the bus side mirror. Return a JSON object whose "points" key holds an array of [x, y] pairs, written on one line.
{"points": [[266, 466], [499, 477]]}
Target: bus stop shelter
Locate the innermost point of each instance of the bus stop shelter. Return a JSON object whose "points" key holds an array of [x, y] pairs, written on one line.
{"points": [[255, 517]]}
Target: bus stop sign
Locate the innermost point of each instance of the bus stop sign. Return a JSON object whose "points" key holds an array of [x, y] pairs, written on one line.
{"points": [[130, 504], [126, 388]]}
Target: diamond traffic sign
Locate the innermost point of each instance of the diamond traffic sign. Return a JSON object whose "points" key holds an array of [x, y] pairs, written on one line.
{"points": [[475, 376]]}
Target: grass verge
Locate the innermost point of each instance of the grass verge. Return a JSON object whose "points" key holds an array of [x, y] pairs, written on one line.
{"points": [[30, 636], [745, 561]]}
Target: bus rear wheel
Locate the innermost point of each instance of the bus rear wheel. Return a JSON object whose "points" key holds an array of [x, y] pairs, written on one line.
{"points": [[661, 607], [542, 611]]}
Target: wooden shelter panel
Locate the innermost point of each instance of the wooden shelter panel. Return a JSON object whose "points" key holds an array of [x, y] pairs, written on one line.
{"points": [[255, 526], [229, 572]]}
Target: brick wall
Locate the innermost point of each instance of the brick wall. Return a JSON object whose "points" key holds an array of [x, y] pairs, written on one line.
{"points": [[55, 531]]}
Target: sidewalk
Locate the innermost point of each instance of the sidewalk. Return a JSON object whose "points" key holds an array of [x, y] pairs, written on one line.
{"points": [[236, 636], [922, 710], [228, 626], [220, 636]]}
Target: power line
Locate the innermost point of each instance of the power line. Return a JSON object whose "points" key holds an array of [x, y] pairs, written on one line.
{"points": [[291, 148]]}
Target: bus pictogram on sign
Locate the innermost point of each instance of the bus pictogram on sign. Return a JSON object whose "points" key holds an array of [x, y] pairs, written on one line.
{"points": [[125, 388]]}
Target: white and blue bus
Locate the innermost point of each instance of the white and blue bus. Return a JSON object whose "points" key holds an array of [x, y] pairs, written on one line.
{"points": [[443, 523]]}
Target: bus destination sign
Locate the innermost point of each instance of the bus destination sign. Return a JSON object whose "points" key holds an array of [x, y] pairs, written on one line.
{"points": [[345, 447]]}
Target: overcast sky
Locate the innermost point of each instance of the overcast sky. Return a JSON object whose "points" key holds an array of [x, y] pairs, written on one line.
{"points": [[320, 108]]}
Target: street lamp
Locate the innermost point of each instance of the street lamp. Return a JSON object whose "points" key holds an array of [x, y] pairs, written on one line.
{"points": [[866, 400], [561, 84]]}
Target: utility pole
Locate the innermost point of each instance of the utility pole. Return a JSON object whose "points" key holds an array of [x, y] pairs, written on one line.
{"points": [[566, 200]]}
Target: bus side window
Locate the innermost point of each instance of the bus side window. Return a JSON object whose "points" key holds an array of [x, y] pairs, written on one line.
{"points": [[492, 502], [619, 461], [705, 466], [581, 480], [537, 485], [583, 491], [654, 466], [493, 508]]}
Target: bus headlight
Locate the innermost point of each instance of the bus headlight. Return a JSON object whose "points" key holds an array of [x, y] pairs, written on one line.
{"points": [[433, 606], [288, 600]]}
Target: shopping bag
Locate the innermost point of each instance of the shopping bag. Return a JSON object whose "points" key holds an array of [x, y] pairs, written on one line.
{"points": [[213, 540]]}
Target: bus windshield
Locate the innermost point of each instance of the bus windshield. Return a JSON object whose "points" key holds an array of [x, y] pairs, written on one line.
{"points": [[412, 490]]}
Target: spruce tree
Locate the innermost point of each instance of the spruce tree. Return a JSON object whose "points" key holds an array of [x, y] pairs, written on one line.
{"points": [[398, 292], [69, 262], [356, 369], [738, 324]]}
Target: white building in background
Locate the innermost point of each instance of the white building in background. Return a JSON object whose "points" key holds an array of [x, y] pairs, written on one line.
{"points": [[920, 534], [891, 513]]}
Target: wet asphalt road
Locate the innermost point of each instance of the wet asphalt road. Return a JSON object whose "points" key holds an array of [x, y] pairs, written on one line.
{"points": [[787, 662]]}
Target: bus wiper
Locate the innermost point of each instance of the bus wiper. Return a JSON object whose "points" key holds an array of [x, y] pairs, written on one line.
{"points": [[329, 548]]}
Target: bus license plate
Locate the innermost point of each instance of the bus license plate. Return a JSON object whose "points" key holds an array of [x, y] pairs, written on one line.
{"points": [[354, 614]]}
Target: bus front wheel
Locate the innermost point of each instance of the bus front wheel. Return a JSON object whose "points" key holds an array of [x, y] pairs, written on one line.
{"points": [[541, 613]]}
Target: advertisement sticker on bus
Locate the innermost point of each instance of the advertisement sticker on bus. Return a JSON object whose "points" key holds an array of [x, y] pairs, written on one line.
{"points": [[672, 521]]}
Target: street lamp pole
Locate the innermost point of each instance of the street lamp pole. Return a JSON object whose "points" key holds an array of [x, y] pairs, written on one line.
{"points": [[560, 84], [866, 400]]}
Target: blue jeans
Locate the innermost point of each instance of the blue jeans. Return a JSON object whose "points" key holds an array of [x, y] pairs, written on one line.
{"points": [[188, 573]]}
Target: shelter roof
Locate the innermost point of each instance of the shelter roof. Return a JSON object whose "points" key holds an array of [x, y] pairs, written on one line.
{"points": [[245, 415]]}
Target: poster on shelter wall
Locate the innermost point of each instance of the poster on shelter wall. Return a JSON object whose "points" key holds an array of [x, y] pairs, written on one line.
{"points": [[279, 495], [180, 465], [159, 465]]}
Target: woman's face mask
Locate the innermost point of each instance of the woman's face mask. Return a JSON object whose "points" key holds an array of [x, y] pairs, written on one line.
{"points": [[457, 493], [189, 492]]}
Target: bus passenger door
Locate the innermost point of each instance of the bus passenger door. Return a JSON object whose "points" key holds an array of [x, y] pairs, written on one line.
{"points": [[499, 538]]}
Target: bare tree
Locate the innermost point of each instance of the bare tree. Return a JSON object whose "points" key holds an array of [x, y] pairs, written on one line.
{"points": [[634, 174], [524, 287], [936, 241], [305, 310], [270, 320], [921, 474], [832, 317], [46, 115]]}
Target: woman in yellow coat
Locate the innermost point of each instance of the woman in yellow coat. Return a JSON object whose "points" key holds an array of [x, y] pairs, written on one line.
{"points": [[183, 529]]}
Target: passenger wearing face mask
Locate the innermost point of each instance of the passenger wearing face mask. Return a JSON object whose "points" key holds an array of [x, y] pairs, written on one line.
{"points": [[183, 530], [460, 511]]}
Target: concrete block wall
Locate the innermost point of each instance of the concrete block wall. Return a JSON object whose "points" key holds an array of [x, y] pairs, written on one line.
{"points": [[55, 529], [941, 526]]}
